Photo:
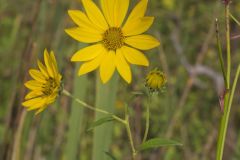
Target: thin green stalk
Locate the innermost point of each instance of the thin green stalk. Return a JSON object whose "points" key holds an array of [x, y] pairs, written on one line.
{"points": [[220, 53], [235, 20], [225, 118], [66, 93], [147, 121], [228, 45], [125, 122], [127, 125]]}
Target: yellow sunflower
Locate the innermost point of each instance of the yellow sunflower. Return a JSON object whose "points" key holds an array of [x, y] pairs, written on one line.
{"points": [[45, 85], [114, 45]]}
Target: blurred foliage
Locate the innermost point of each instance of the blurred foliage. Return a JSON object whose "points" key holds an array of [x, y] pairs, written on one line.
{"points": [[186, 31]]}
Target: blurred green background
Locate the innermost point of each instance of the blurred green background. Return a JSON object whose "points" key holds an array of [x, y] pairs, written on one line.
{"points": [[188, 111]]}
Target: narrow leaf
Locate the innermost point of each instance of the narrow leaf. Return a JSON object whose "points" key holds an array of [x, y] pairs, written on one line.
{"points": [[158, 142], [100, 122]]}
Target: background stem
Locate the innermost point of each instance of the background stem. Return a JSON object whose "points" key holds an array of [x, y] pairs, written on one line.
{"points": [[105, 100], [75, 120]]}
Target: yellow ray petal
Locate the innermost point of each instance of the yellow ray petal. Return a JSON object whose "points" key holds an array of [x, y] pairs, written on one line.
{"points": [[138, 11], [54, 64], [42, 69], [33, 94], [88, 53], [35, 102], [123, 67], [114, 11], [137, 26], [94, 14], [82, 21], [37, 75], [121, 8], [92, 65], [38, 106], [108, 10], [143, 42], [107, 66], [83, 35], [40, 110], [48, 63], [33, 85], [134, 56]]}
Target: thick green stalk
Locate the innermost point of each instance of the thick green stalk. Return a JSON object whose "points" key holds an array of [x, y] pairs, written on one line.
{"points": [[105, 100], [228, 46], [225, 118], [226, 112], [75, 120]]}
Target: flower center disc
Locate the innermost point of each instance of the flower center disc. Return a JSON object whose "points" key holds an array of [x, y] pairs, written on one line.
{"points": [[113, 38], [49, 87]]}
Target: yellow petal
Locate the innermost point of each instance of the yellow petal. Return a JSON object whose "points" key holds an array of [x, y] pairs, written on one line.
{"points": [[92, 65], [37, 75], [94, 14], [143, 42], [35, 102], [137, 26], [54, 64], [121, 8], [123, 67], [134, 56], [33, 85], [42, 69], [107, 66], [88, 53], [82, 20], [108, 11], [138, 11], [33, 94], [39, 105], [40, 110], [114, 11], [83, 35], [48, 64]]}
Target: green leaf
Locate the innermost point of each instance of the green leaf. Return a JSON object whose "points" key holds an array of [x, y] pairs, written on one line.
{"points": [[158, 142], [110, 155], [100, 122]]}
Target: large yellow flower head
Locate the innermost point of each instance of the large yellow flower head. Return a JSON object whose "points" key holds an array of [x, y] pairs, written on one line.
{"points": [[45, 85], [114, 45]]}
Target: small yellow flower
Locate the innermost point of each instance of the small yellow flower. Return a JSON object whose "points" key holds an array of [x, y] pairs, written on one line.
{"points": [[114, 45], [155, 80], [45, 85]]}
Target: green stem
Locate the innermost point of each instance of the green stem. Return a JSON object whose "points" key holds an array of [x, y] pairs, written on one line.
{"points": [[225, 118], [125, 122], [147, 121], [235, 19], [220, 53], [93, 108], [228, 46], [127, 125]]}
